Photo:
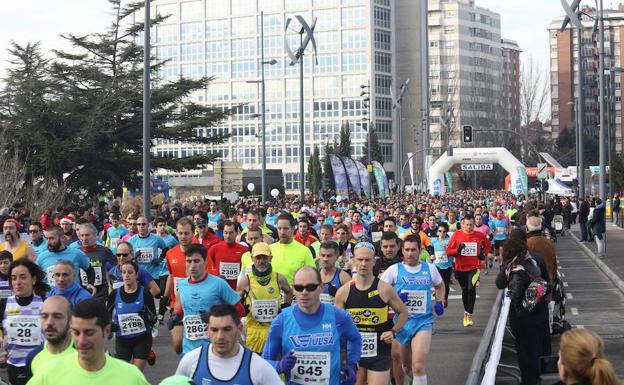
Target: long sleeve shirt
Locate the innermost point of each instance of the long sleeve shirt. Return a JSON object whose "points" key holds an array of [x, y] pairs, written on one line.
{"points": [[468, 259]]}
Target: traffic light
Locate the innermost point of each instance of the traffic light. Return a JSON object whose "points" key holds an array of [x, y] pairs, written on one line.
{"points": [[538, 185], [467, 134]]}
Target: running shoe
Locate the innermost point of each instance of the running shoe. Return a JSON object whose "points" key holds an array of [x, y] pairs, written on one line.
{"points": [[470, 321], [151, 358], [465, 319]]}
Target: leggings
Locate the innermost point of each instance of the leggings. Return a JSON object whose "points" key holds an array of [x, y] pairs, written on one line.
{"points": [[446, 277], [469, 291]]}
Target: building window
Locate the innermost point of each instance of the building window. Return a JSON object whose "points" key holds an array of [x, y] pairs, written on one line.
{"points": [[217, 8], [291, 132], [217, 50], [167, 52], [274, 133], [192, 10], [192, 31], [383, 62], [193, 71], [219, 69], [244, 134], [354, 39], [383, 107], [169, 73], [353, 107], [246, 155], [244, 69], [292, 153], [354, 62], [245, 112], [243, 47], [244, 26], [166, 34], [243, 7], [326, 86], [170, 10], [382, 17], [383, 40], [291, 181], [244, 91], [326, 108], [354, 17], [217, 29], [383, 129], [326, 63], [192, 52], [327, 19], [274, 154], [351, 84], [383, 84], [274, 110], [325, 41], [326, 131], [386, 152]]}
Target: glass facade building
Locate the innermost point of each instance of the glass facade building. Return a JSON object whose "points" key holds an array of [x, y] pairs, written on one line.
{"points": [[221, 38]]}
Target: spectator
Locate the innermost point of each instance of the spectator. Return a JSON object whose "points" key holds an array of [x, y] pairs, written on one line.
{"points": [[583, 218], [597, 226]]}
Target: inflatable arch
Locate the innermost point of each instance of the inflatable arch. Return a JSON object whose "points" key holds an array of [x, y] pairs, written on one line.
{"points": [[498, 155]]}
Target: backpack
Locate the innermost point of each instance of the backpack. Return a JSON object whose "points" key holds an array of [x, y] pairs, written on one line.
{"points": [[537, 290]]}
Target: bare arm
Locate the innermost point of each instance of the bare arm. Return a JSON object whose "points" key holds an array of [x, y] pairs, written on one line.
{"points": [[341, 297], [168, 286], [242, 286], [285, 287], [440, 291], [344, 278], [391, 297], [153, 288]]}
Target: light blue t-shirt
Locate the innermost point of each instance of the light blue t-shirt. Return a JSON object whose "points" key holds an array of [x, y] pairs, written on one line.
{"points": [[498, 227], [47, 259], [43, 246], [442, 261], [147, 252]]}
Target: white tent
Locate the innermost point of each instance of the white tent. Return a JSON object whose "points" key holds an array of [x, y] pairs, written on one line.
{"points": [[556, 187]]}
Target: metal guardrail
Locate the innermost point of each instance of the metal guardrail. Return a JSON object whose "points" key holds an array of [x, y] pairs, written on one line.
{"points": [[479, 360]]}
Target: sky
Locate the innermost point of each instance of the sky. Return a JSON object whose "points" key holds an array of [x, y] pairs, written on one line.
{"points": [[43, 20]]}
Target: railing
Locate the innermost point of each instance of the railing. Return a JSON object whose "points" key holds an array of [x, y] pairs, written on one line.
{"points": [[491, 344]]}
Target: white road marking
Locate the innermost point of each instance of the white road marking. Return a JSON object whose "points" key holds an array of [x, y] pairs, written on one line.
{"points": [[563, 275], [574, 311], [569, 296], [457, 296], [565, 284], [580, 327]]}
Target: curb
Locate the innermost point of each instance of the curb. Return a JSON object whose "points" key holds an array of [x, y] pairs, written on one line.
{"points": [[617, 281]]}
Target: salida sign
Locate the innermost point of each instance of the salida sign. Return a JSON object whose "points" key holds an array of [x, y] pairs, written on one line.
{"points": [[477, 167]]}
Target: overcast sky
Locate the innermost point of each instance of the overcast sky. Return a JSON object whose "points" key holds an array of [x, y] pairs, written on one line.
{"points": [[43, 20]]}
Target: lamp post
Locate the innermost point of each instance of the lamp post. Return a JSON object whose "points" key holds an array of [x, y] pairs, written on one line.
{"points": [[263, 108], [146, 113], [366, 91], [297, 57], [603, 123], [398, 104]]}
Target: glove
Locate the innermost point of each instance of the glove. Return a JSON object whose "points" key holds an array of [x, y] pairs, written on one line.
{"points": [[173, 321], [438, 308], [162, 307], [287, 362], [349, 375], [403, 295], [482, 252], [461, 248]]}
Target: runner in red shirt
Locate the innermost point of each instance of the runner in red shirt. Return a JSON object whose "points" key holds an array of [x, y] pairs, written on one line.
{"points": [[226, 255], [204, 234], [303, 235], [469, 248]]}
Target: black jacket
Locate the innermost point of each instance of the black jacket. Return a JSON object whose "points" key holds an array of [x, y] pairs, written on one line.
{"points": [[583, 212], [519, 279]]}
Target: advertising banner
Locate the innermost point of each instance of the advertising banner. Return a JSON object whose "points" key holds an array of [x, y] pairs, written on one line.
{"points": [[340, 176], [353, 174], [364, 178]]}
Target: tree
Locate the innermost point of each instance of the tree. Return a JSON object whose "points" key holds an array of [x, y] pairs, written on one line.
{"points": [[315, 172], [344, 143], [328, 174], [96, 93], [375, 149], [534, 97], [565, 148]]}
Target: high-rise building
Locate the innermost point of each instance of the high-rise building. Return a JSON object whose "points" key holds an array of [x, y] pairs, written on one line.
{"points": [[564, 66], [221, 38], [510, 90], [465, 73]]}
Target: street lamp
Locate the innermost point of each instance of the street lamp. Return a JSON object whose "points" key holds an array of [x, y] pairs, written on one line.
{"points": [[263, 109], [146, 113], [367, 104], [398, 104]]}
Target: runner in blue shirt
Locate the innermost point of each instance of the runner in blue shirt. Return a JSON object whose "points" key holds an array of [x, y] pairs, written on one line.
{"points": [[146, 247], [124, 254], [500, 228], [304, 341], [57, 251]]}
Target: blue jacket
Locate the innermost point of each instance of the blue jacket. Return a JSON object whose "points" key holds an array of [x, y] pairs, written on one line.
{"points": [[74, 293]]}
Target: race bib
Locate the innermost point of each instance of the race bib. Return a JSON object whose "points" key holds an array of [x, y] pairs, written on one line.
{"points": [[145, 255], [24, 330], [311, 368], [230, 270], [114, 242], [131, 323], [117, 285], [369, 344], [500, 230], [97, 281], [194, 328], [213, 225], [83, 278], [5, 293], [50, 275], [470, 249], [326, 298], [264, 310], [376, 236], [441, 257], [416, 301]]}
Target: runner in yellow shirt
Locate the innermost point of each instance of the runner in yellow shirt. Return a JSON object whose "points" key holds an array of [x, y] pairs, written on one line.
{"points": [[289, 255]]}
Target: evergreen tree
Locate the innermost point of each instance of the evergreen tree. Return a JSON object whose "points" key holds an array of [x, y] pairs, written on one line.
{"points": [[328, 174], [375, 149], [344, 144], [99, 94], [315, 172]]}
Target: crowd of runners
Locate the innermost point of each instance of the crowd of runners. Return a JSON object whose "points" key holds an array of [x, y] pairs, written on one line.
{"points": [[324, 292]]}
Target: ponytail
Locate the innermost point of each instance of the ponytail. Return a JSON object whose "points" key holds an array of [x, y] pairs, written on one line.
{"points": [[581, 353]]}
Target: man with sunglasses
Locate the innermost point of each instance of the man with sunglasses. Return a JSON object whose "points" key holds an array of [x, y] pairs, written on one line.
{"points": [[304, 340], [413, 280], [37, 240], [416, 229], [149, 248], [367, 299]]}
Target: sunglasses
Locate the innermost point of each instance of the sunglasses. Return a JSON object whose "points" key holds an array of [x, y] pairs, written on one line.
{"points": [[416, 223], [122, 254], [33, 231], [441, 231], [366, 245], [341, 233], [310, 287], [141, 224]]}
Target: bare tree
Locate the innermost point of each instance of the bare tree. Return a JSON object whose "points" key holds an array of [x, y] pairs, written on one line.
{"points": [[11, 175], [534, 101]]}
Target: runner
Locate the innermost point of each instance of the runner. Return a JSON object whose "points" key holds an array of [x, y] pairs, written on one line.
{"points": [[303, 359], [133, 314], [500, 227], [55, 317], [224, 360], [101, 259], [5, 285], [413, 280], [288, 255], [37, 241], [332, 277], [253, 236], [367, 299], [225, 256], [146, 246], [261, 292], [197, 294], [170, 241], [21, 325], [451, 220], [115, 232], [389, 252], [58, 251], [65, 284], [12, 242], [214, 216], [469, 248], [254, 221], [304, 235], [115, 279], [90, 325], [442, 262], [345, 244]]}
